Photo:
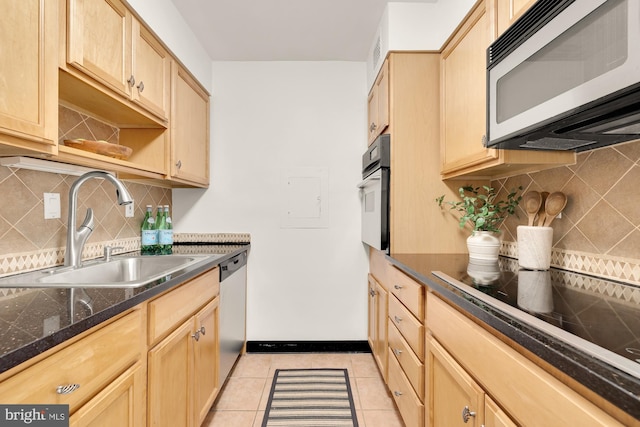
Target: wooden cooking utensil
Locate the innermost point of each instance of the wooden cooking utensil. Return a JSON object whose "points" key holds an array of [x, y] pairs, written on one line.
{"points": [[541, 212], [554, 205], [532, 201]]}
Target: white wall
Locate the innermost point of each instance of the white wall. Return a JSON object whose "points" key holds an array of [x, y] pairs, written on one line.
{"points": [[415, 26], [303, 284]]}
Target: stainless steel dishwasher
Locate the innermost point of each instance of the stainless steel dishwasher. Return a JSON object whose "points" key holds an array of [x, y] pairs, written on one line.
{"points": [[232, 315]]}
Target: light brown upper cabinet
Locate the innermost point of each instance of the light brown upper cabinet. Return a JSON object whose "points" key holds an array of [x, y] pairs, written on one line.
{"points": [[463, 106], [106, 42], [29, 83], [189, 160], [378, 104], [508, 11]]}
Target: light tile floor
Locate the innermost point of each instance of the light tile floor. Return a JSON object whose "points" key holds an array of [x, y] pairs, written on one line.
{"points": [[243, 399]]}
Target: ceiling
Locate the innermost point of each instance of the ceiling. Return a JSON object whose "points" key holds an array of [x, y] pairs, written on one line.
{"points": [[285, 30]]}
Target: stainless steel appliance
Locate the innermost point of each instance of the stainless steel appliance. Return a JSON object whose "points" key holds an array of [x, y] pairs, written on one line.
{"points": [[374, 194], [566, 76], [232, 316]]}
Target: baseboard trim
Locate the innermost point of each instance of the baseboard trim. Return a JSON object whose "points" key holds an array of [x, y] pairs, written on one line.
{"points": [[308, 347]]}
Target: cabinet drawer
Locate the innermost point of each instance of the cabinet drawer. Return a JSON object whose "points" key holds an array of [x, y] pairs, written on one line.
{"points": [[545, 401], [410, 407], [91, 363], [411, 329], [411, 365], [408, 291], [173, 308]]}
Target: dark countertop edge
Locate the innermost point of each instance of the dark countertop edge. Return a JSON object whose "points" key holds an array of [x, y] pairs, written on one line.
{"points": [[23, 354], [586, 370]]}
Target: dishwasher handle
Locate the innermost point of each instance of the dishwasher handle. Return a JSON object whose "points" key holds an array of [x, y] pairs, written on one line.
{"points": [[230, 266]]}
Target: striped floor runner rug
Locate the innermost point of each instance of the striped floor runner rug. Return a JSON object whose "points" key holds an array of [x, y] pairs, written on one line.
{"points": [[310, 398]]}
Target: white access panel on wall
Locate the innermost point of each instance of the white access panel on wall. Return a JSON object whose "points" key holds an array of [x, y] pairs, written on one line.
{"points": [[305, 198]]}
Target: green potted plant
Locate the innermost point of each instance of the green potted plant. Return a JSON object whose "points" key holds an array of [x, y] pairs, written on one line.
{"points": [[479, 208]]}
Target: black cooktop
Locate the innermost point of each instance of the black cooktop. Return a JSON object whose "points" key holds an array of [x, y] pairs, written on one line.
{"points": [[602, 312]]}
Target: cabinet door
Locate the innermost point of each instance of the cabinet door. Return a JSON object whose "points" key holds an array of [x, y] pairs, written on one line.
{"points": [[29, 70], [463, 68], [99, 41], [378, 104], [372, 312], [121, 403], [151, 69], [494, 416], [189, 130], [170, 374], [454, 399], [206, 359], [382, 336], [509, 11]]}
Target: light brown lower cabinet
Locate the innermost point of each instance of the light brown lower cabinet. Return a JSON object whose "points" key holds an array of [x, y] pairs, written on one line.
{"points": [[378, 333], [183, 366], [120, 404], [461, 355], [103, 376]]}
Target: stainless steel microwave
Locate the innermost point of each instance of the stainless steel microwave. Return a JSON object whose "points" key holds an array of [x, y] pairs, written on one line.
{"points": [[566, 76]]}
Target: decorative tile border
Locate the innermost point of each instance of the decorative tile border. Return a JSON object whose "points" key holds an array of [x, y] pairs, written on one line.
{"points": [[212, 238], [44, 258], [603, 266]]}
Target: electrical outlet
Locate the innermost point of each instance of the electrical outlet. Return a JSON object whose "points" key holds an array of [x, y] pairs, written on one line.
{"points": [[51, 205], [128, 210]]}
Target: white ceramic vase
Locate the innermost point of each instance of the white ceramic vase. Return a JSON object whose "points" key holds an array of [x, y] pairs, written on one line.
{"points": [[483, 246]]}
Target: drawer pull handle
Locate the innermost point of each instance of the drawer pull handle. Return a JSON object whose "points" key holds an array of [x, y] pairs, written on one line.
{"points": [[467, 414], [397, 319], [398, 287], [67, 389], [196, 336], [397, 393], [397, 351]]}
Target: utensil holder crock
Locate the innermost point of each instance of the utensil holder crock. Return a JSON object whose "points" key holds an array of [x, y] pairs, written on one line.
{"points": [[534, 247]]}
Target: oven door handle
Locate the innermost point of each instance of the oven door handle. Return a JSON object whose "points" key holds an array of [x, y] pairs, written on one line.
{"points": [[376, 176]]}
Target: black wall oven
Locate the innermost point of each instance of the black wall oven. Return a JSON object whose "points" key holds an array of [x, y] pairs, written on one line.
{"points": [[374, 194]]}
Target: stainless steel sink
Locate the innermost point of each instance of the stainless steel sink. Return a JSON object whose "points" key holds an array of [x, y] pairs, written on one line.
{"points": [[119, 272]]}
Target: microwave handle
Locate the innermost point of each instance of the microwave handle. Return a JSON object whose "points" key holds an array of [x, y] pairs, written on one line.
{"points": [[366, 181]]}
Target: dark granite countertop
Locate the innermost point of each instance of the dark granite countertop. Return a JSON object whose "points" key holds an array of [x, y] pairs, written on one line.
{"points": [[33, 320], [586, 327]]}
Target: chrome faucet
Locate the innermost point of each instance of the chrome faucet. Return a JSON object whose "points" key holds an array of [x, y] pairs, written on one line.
{"points": [[77, 238]]}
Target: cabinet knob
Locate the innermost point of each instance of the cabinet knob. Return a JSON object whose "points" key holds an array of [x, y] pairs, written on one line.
{"points": [[372, 292], [67, 389], [398, 287], [131, 81], [397, 393], [372, 127], [467, 414], [202, 330], [179, 164], [397, 351], [397, 319], [140, 87], [196, 336]]}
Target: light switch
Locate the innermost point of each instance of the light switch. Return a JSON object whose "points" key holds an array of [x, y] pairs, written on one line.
{"points": [[51, 205], [128, 210]]}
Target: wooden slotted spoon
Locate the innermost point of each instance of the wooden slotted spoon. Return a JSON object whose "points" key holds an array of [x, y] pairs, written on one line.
{"points": [[542, 215], [532, 202], [554, 205]]}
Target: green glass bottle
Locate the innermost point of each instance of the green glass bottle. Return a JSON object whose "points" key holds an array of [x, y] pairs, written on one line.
{"points": [[160, 224], [166, 233], [148, 233]]}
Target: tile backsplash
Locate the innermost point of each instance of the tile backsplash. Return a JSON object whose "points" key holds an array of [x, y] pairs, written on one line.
{"points": [[28, 241], [599, 231]]}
